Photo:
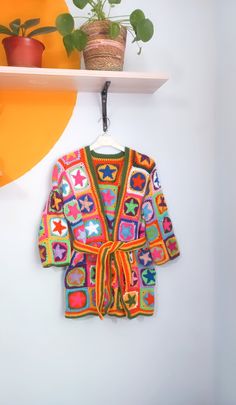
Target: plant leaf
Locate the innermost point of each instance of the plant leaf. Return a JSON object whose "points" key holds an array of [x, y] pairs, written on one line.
{"points": [[42, 30], [80, 39], [65, 24], [5, 30], [80, 3], [15, 26], [135, 17], [114, 30], [30, 23], [68, 43], [145, 30], [114, 1]]}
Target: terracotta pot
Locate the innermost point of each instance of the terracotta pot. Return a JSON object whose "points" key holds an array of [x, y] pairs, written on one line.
{"points": [[102, 52], [22, 51]]}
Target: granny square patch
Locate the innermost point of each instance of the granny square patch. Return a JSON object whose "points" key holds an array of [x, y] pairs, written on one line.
{"points": [[159, 253], [78, 231], [93, 228], [137, 181], [86, 204], [55, 202], [127, 230], [131, 299], [153, 231], [109, 196], [144, 257], [79, 177], [165, 225], [148, 276], [131, 206], [147, 210], [161, 204], [172, 247], [58, 226], [60, 251], [72, 211], [77, 299], [76, 277], [107, 172], [147, 298], [144, 161]]}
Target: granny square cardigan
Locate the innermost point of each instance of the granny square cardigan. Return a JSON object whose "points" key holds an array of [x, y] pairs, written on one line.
{"points": [[106, 221]]}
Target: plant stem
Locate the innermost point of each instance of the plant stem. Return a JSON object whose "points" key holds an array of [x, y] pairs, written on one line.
{"points": [[119, 16]]}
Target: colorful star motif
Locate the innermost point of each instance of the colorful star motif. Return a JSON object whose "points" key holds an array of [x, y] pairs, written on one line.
{"points": [[155, 178], [152, 232], [149, 299], [108, 197], [93, 228], [131, 207], [79, 178], [73, 210], [86, 203], [149, 276], [76, 277], [59, 227], [172, 246], [77, 300], [144, 158], [157, 253], [162, 202], [56, 201], [59, 252], [138, 181], [80, 234], [127, 230], [131, 300], [167, 225], [145, 257], [147, 210], [64, 188], [107, 172]]}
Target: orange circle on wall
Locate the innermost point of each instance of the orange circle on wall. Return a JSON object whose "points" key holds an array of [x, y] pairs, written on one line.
{"points": [[32, 121]]}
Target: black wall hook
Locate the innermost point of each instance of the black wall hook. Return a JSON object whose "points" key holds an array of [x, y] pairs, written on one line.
{"points": [[104, 105]]}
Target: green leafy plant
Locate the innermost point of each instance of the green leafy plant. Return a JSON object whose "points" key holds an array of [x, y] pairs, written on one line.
{"points": [[16, 28], [140, 27]]}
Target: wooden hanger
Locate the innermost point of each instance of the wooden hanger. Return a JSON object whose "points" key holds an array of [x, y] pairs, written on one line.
{"points": [[105, 139]]}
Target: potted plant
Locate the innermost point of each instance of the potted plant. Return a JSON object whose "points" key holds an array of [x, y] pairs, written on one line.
{"points": [[20, 46], [102, 37]]}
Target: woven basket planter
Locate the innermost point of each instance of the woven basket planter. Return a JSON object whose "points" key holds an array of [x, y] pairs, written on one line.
{"points": [[102, 52]]}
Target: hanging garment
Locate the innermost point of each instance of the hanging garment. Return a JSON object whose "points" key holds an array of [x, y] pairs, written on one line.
{"points": [[107, 221]]}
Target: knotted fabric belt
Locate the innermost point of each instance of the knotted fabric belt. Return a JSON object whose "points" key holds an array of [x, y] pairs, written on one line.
{"points": [[120, 251]]}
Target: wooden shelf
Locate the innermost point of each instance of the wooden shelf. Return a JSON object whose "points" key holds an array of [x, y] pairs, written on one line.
{"points": [[22, 78]]}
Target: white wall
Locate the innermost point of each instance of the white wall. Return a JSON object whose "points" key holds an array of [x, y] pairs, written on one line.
{"points": [[225, 203], [164, 360]]}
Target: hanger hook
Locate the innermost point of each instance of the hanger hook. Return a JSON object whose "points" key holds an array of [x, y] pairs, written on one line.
{"points": [[104, 105]]}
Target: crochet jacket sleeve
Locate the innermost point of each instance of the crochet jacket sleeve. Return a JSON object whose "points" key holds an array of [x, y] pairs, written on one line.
{"points": [[158, 224], [54, 237]]}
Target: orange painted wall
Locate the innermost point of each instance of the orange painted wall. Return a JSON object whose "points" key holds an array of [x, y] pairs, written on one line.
{"points": [[32, 121]]}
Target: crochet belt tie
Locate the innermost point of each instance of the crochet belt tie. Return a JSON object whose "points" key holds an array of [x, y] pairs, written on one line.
{"points": [[120, 250]]}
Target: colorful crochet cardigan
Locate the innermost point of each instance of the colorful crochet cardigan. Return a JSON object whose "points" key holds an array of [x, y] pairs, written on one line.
{"points": [[107, 221]]}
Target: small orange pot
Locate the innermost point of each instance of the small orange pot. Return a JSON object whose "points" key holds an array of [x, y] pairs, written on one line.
{"points": [[23, 51]]}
